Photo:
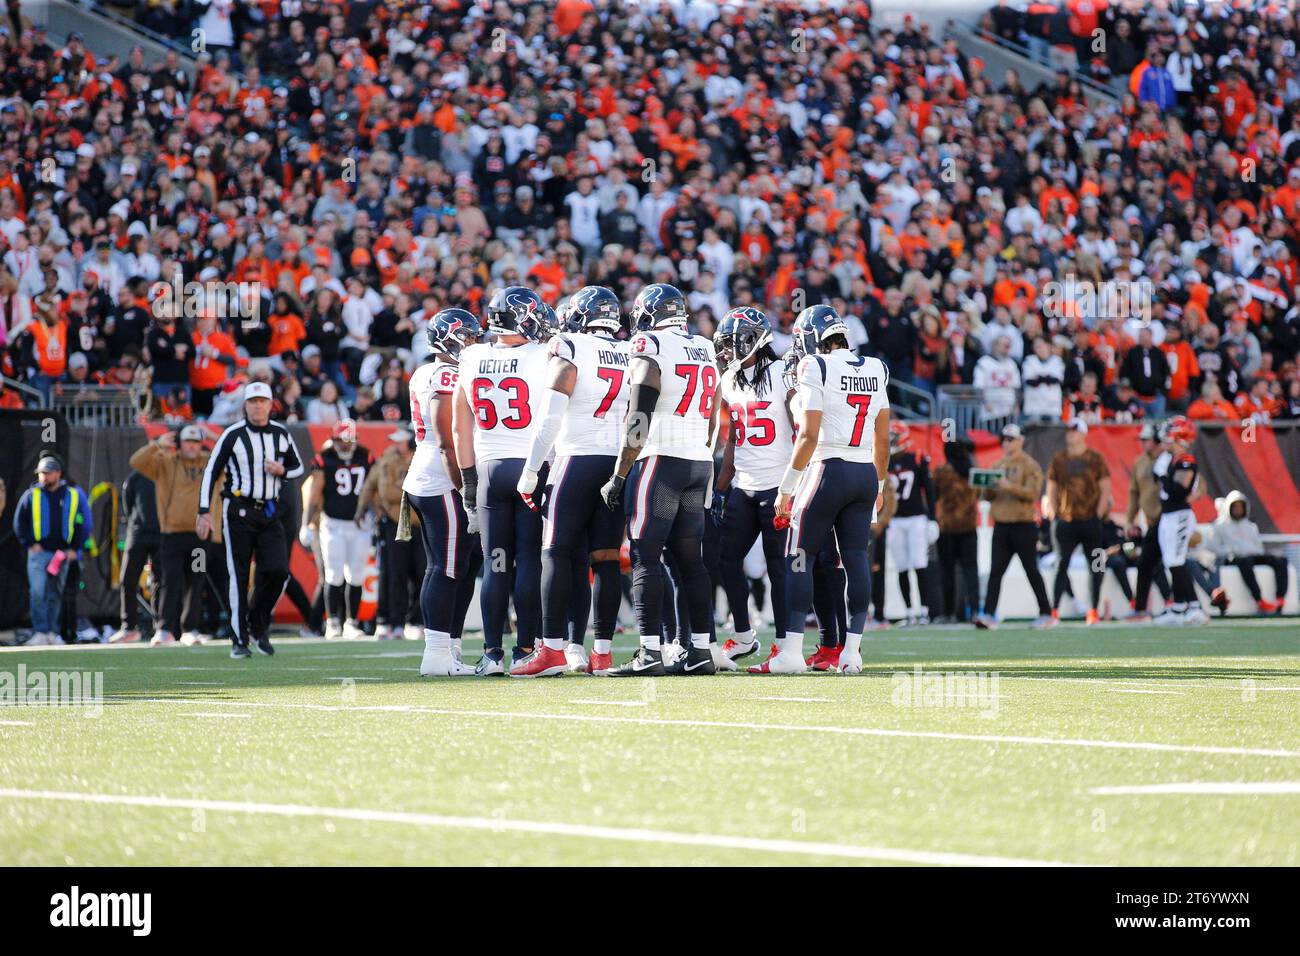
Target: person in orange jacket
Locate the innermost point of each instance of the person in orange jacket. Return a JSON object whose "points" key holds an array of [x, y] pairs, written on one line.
{"points": [[214, 357]]}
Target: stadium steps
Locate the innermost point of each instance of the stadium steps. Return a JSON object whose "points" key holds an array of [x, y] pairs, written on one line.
{"points": [[107, 32], [999, 55]]}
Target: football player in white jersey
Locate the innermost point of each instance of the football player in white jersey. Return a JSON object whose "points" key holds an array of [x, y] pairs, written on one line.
{"points": [[758, 448], [493, 421], [669, 434], [844, 435], [582, 415], [453, 555]]}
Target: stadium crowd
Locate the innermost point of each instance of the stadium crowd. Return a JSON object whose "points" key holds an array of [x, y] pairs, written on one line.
{"points": [[334, 174]]}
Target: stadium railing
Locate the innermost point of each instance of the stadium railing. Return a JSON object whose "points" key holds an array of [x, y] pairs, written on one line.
{"points": [[100, 406], [911, 403], [32, 398], [968, 407]]}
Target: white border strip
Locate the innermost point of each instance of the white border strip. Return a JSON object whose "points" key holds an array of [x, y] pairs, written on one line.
{"points": [[581, 831], [1226, 789]]}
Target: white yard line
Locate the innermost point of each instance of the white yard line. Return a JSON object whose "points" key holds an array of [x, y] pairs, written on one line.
{"points": [[16, 723], [612, 703], [797, 700], [574, 830], [738, 725], [1137, 690], [1198, 788]]}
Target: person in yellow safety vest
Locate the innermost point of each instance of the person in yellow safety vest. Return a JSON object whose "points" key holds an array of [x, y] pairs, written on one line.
{"points": [[53, 522]]}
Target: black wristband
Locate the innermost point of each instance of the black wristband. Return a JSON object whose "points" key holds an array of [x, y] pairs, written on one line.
{"points": [[469, 485]]}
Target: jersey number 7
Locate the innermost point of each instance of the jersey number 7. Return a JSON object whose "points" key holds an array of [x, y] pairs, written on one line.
{"points": [[862, 403]]}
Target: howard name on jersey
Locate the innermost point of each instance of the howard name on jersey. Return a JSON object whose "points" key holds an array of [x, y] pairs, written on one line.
{"points": [[343, 479], [762, 428], [593, 421], [688, 384], [501, 385], [427, 475], [850, 392], [909, 473]]}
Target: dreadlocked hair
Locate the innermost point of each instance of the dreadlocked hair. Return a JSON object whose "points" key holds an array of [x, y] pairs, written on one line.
{"points": [[758, 373]]}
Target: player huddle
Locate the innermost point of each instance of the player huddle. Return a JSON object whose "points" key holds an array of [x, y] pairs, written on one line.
{"points": [[544, 441]]}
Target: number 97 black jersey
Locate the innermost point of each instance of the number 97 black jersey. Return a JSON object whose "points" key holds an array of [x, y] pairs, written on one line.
{"points": [[909, 473], [343, 479]]}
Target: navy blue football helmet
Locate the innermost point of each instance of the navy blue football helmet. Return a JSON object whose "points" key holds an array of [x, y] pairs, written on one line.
{"points": [[451, 330], [741, 333], [815, 325], [593, 308], [516, 310], [659, 306]]}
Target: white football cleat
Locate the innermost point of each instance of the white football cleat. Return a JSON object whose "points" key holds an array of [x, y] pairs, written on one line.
{"points": [[333, 629], [850, 662], [191, 638], [721, 662], [781, 662], [671, 651], [441, 663], [1196, 617], [1169, 618], [411, 632], [122, 636], [352, 631], [162, 637], [576, 655]]}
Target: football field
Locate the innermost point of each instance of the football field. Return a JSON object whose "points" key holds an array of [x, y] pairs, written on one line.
{"points": [[1107, 745]]}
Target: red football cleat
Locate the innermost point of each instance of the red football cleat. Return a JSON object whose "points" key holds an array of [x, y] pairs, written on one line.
{"points": [[543, 662], [599, 662], [824, 658], [1268, 607]]}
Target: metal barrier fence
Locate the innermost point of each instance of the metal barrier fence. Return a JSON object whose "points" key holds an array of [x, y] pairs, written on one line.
{"points": [[968, 407], [101, 406]]}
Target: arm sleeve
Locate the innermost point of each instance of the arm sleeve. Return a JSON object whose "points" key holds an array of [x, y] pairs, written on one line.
{"points": [[544, 439], [216, 466], [145, 460], [292, 463]]}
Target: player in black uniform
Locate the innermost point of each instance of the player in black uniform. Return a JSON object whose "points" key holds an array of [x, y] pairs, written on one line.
{"points": [[1176, 471], [908, 534], [337, 473]]}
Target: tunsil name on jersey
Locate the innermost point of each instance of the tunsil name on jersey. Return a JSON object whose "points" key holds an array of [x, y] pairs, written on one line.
{"points": [[854, 383], [699, 355]]}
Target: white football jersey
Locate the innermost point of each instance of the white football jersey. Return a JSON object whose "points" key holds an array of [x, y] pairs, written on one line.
{"points": [[427, 475], [850, 392], [764, 437], [688, 385], [593, 421], [503, 385]]}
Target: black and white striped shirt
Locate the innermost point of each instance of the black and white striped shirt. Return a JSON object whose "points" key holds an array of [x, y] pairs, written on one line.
{"points": [[242, 453]]}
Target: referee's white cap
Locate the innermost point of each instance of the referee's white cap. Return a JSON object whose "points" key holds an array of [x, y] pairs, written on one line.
{"points": [[256, 390]]}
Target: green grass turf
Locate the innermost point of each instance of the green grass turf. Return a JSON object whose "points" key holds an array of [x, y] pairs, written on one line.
{"points": [[351, 725]]}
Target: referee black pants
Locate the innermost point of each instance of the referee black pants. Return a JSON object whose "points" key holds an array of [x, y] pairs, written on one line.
{"points": [[251, 535], [1018, 539]]}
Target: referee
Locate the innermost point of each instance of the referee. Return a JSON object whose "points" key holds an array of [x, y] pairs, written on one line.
{"points": [[257, 456]]}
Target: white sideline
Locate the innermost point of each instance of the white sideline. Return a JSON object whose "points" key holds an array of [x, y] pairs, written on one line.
{"points": [[633, 835], [738, 725], [1203, 789]]}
